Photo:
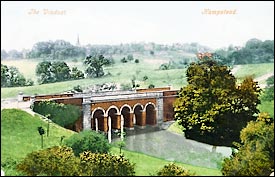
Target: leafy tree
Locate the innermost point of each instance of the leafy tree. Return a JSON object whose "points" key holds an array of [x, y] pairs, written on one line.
{"points": [[60, 71], [164, 66], [212, 108], [53, 161], [41, 132], [136, 60], [124, 60], [151, 86], [95, 164], [59, 49], [269, 90], [77, 74], [49, 72], [254, 51], [130, 57], [11, 77], [173, 170], [4, 75], [95, 65], [88, 140], [255, 156], [145, 78], [43, 71]]}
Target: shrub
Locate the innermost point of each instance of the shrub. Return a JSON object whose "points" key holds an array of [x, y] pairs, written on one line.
{"points": [[151, 86], [173, 170], [88, 140], [63, 115], [95, 164], [54, 161]]}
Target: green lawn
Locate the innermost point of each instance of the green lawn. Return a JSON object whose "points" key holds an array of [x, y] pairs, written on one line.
{"points": [[148, 165], [19, 136], [254, 70]]}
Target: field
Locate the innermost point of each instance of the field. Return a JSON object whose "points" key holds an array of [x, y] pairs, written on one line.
{"points": [[19, 136], [121, 73]]}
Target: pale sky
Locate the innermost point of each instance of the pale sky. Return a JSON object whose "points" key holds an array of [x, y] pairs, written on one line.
{"points": [[115, 22]]}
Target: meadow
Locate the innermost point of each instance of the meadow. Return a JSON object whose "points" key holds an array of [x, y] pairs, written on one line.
{"points": [[121, 73]]}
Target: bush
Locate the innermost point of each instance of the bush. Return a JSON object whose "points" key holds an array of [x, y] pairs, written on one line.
{"points": [[95, 164], [63, 115], [88, 140], [151, 86], [173, 170], [54, 161]]}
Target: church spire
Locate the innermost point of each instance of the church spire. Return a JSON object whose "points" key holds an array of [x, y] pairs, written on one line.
{"points": [[77, 42]]}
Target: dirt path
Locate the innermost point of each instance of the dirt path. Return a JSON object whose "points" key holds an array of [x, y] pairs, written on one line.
{"points": [[263, 78], [14, 103]]}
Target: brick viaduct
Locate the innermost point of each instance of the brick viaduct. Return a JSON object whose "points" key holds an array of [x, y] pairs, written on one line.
{"points": [[117, 110]]}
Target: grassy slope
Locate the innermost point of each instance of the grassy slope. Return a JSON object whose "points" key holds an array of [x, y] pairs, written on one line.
{"points": [[19, 136], [120, 73]]}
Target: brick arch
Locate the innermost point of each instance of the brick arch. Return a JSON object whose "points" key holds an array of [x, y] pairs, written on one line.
{"points": [[113, 113], [126, 105], [98, 108], [111, 107], [127, 116], [99, 115], [137, 104], [138, 109], [151, 118], [149, 103]]}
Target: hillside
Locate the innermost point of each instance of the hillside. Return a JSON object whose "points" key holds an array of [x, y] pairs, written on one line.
{"points": [[19, 136]]}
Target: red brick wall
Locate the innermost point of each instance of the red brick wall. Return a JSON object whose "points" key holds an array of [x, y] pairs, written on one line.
{"points": [[153, 89], [168, 100]]}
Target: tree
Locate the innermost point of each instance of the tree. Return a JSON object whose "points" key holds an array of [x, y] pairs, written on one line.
{"points": [[173, 170], [4, 75], [269, 90], [124, 60], [41, 132], [130, 57], [43, 71], [255, 156], [96, 164], [88, 140], [77, 74], [95, 65], [53, 161], [11, 77], [212, 108], [60, 71]]}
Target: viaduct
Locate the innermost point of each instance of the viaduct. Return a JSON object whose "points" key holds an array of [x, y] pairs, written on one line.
{"points": [[111, 111]]}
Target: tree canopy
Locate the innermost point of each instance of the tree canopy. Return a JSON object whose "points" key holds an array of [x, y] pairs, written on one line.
{"points": [[11, 77], [255, 156], [95, 65], [212, 107]]}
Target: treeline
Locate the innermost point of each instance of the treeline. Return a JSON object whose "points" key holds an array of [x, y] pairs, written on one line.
{"points": [[255, 51], [60, 50]]}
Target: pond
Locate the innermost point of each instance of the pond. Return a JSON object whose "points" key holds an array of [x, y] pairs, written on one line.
{"points": [[174, 147]]}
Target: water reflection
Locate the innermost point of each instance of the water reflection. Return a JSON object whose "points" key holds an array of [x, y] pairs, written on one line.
{"points": [[173, 147]]}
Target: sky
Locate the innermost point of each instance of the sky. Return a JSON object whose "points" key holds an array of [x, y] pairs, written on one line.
{"points": [[24, 23]]}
